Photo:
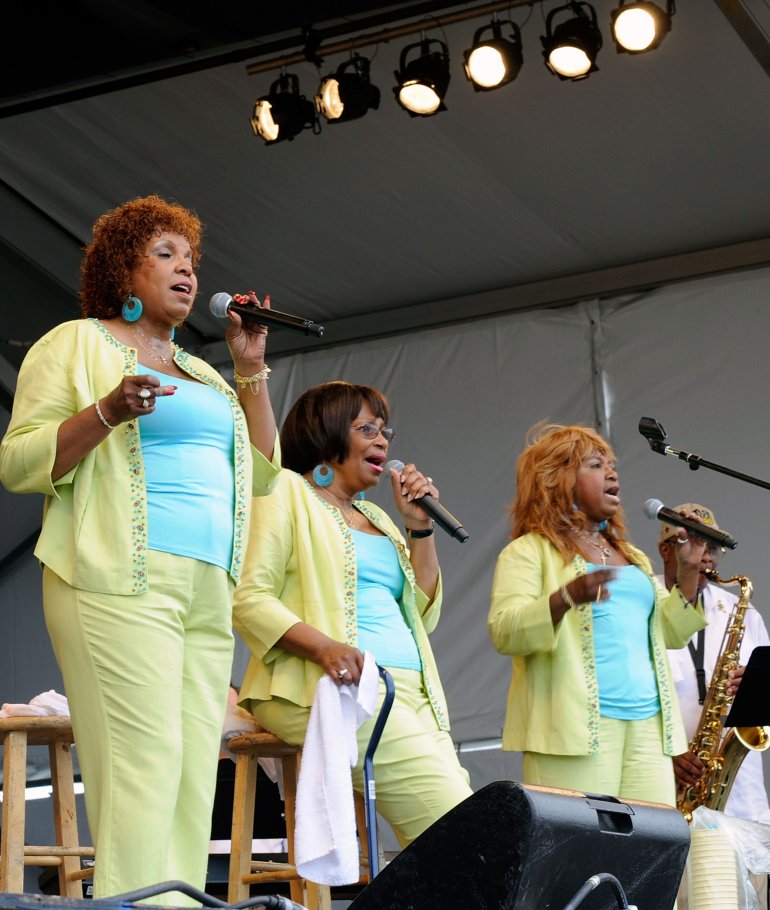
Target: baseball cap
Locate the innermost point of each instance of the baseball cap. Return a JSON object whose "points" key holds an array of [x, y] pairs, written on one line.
{"points": [[704, 515]]}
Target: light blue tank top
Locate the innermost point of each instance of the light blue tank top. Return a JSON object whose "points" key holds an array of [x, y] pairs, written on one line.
{"points": [[628, 688], [187, 449], [382, 629]]}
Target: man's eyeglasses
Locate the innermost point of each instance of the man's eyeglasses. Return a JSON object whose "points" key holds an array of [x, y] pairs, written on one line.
{"points": [[372, 431]]}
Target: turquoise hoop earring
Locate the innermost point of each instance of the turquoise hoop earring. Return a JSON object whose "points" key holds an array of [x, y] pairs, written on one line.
{"points": [[323, 475], [603, 525], [362, 496], [132, 309], [172, 333]]}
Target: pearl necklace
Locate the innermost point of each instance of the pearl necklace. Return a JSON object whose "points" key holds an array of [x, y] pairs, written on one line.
{"points": [[604, 552], [139, 335]]}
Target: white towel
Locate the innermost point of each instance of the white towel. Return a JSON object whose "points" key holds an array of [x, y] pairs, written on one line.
{"points": [[325, 845], [47, 704]]}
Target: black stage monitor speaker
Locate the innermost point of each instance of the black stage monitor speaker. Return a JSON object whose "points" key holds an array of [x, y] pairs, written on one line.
{"points": [[515, 847]]}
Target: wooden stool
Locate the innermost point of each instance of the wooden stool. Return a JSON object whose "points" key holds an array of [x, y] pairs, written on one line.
{"points": [[243, 870], [16, 733]]}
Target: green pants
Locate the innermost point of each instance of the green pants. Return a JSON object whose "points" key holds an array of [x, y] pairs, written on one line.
{"points": [[416, 770], [631, 764], [146, 677]]}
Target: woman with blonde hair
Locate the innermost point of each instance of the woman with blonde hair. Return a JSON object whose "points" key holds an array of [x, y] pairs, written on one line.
{"points": [[591, 704]]}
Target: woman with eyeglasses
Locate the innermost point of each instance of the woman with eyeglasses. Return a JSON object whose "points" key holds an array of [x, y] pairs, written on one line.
{"points": [[329, 576]]}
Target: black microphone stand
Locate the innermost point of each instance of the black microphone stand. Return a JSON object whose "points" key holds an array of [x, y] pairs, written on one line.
{"points": [[653, 432]]}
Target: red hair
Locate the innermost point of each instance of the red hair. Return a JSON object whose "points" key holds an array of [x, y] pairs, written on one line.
{"points": [[546, 474], [120, 237]]}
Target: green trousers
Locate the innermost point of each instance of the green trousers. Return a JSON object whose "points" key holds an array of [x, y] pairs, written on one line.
{"points": [[146, 678]]}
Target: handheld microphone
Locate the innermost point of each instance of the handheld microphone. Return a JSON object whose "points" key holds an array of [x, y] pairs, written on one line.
{"points": [[445, 520], [654, 508], [221, 304]]}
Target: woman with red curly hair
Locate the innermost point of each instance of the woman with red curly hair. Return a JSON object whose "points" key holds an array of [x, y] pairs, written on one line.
{"points": [[591, 704], [148, 461]]}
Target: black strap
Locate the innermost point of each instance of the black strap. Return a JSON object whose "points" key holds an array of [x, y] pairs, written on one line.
{"points": [[696, 652]]}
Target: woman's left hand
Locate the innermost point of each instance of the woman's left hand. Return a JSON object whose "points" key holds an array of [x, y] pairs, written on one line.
{"points": [[408, 486], [246, 340]]}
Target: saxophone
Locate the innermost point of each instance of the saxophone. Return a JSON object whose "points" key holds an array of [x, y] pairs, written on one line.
{"points": [[720, 752]]}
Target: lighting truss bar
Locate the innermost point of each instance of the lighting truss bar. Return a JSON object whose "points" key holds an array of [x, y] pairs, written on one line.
{"points": [[387, 34]]}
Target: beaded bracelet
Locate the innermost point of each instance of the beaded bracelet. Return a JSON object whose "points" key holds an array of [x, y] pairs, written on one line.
{"points": [[102, 417], [567, 597], [253, 381]]}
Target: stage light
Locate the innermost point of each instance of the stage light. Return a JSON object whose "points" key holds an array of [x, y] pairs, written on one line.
{"points": [[283, 112], [640, 27], [347, 94], [570, 49], [494, 61], [423, 81]]}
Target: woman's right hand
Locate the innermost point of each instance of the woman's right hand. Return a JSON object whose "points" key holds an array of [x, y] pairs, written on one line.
{"points": [[338, 658], [333, 656], [133, 397], [591, 587]]}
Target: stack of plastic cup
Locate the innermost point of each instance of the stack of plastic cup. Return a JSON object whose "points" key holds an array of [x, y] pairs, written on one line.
{"points": [[712, 871]]}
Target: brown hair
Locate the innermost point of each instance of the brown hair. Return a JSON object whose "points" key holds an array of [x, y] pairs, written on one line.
{"points": [[120, 237], [546, 474], [317, 428]]}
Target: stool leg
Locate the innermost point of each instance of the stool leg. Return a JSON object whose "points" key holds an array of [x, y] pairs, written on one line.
{"points": [[65, 817], [243, 826], [290, 772], [311, 894], [14, 809]]}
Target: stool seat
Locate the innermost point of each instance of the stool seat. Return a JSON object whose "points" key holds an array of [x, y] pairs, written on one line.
{"points": [[16, 734], [248, 749]]}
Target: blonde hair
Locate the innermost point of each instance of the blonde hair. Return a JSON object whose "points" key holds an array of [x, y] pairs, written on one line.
{"points": [[546, 474]]}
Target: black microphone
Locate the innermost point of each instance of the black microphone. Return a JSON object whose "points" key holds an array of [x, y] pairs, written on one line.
{"points": [[654, 508], [437, 512], [221, 304]]}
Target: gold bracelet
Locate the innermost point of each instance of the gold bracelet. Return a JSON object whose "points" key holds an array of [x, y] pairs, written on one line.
{"points": [[567, 598], [253, 381]]}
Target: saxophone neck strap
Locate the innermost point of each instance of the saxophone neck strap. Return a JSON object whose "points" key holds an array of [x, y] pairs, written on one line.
{"points": [[696, 652]]}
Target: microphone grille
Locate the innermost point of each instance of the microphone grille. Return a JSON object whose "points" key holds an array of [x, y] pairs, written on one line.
{"points": [[652, 507], [394, 463], [219, 304]]}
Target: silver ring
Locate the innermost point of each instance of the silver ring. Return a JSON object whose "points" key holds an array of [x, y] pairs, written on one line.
{"points": [[681, 540], [145, 403], [429, 479], [341, 674], [144, 393]]}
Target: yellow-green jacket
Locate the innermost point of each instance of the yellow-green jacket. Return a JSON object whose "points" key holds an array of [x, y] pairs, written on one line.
{"points": [[94, 532], [553, 699], [300, 566]]}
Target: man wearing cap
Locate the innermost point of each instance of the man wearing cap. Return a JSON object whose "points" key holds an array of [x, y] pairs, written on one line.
{"points": [[748, 798]]}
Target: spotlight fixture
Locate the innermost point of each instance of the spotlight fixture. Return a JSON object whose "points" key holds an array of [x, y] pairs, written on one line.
{"points": [[347, 94], [283, 112], [640, 27], [494, 61], [422, 83], [570, 49]]}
